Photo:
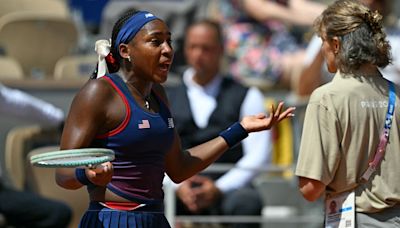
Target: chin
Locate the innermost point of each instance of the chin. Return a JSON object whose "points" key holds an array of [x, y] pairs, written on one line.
{"points": [[160, 78]]}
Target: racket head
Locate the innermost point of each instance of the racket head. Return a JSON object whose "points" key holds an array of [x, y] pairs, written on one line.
{"points": [[73, 158]]}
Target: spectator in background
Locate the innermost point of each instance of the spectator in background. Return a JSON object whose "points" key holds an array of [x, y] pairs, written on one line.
{"points": [[258, 42], [350, 142], [90, 12], [315, 72], [26, 209], [205, 104]]}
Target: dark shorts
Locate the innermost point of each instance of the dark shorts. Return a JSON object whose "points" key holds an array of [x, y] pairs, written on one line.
{"points": [[145, 217]]}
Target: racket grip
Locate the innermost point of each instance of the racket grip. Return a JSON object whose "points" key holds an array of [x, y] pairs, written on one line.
{"points": [[80, 175]]}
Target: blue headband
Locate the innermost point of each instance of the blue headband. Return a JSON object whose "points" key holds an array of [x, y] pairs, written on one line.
{"points": [[132, 26]]}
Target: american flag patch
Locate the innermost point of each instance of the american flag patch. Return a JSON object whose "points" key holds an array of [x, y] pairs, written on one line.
{"points": [[171, 123], [144, 125]]}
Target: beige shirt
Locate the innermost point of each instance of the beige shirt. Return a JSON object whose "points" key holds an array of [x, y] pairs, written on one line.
{"points": [[342, 126]]}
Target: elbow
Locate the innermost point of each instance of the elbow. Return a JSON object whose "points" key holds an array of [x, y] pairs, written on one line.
{"points": [[309, 196], [311, 189], [63, 182], [60, 181], [177, 179], [177, 175]]}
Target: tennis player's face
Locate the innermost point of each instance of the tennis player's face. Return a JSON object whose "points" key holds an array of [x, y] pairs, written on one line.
{"points": [[203, 50], [152, 52]]}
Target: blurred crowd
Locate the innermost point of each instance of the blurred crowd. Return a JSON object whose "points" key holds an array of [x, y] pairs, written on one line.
{"points": [[268, 43]]}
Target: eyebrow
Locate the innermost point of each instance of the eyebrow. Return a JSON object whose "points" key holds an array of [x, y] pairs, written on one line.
{"points": [[159, 33]]}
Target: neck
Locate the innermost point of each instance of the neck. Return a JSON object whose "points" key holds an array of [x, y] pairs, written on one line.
{"points": [[368, 70], [146, 97], [142, 87], [144, 93], [204, 78]]}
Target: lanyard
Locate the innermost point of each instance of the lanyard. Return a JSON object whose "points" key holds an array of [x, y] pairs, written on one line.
{"points": [[380, 151]]}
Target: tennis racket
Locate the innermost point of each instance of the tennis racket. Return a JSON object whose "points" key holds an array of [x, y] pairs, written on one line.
{"points": [[89, 157]]}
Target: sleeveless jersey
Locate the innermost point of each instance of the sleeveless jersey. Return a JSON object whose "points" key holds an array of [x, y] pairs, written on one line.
{"points": [[140, 143]]}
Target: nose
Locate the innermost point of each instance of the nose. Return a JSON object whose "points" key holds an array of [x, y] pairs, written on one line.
{"points": [[167, 50], [197, 52]]}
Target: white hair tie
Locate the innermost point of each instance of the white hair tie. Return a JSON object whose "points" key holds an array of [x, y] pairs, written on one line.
{"points": [[102, 47]]}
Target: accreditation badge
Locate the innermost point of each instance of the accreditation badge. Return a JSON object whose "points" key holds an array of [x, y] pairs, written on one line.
{"points": [[340, 211]]}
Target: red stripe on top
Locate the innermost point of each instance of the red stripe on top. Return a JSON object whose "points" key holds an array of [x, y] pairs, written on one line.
{"points": [[127, 116], [124, 206]]}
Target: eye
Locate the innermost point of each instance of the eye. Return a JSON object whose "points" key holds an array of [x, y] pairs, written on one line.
{"points": [[156, 42]]}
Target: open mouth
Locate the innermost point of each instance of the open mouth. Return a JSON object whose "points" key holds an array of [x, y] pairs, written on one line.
{"points": [[164, 66]]}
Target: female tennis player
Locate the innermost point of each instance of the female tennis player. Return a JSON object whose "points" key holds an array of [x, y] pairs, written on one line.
{"points": [[128, 112]]}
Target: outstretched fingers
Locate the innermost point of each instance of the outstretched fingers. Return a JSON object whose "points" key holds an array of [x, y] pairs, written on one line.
{"points": [[273, 116], [261, 122], [289, 112], [277, 115], [278, 110]]}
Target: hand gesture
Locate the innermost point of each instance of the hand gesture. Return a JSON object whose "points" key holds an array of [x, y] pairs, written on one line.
{"points": [[198, 193], [206, 194], [261, 122], [185, 193]]}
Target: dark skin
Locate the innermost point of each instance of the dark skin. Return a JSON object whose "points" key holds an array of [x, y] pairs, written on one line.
{"points": [[98, 109]]}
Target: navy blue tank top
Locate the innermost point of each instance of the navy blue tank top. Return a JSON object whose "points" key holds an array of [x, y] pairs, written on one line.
{"points": [[140, 143]]}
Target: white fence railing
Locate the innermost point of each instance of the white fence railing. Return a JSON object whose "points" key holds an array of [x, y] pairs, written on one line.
{"points": [[292, 218]]}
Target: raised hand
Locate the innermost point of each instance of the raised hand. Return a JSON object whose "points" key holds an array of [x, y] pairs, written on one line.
{"points": [[261, 122]]}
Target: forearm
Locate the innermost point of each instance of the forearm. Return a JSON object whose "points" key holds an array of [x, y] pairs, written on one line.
{"points": [[20, 104], [262, 10], [311, 189], [196, 159], [65, 177], [234, 179], [311, 77], [295, 13], [180, 166]]}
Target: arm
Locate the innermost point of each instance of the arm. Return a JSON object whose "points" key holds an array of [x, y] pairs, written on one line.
{"points": [[94, 100], [315, 72], [297, 12], [256, 148], [320, 148], [17, 103], [392, 71], [181, 165], [311, 76], [311, 189]]}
